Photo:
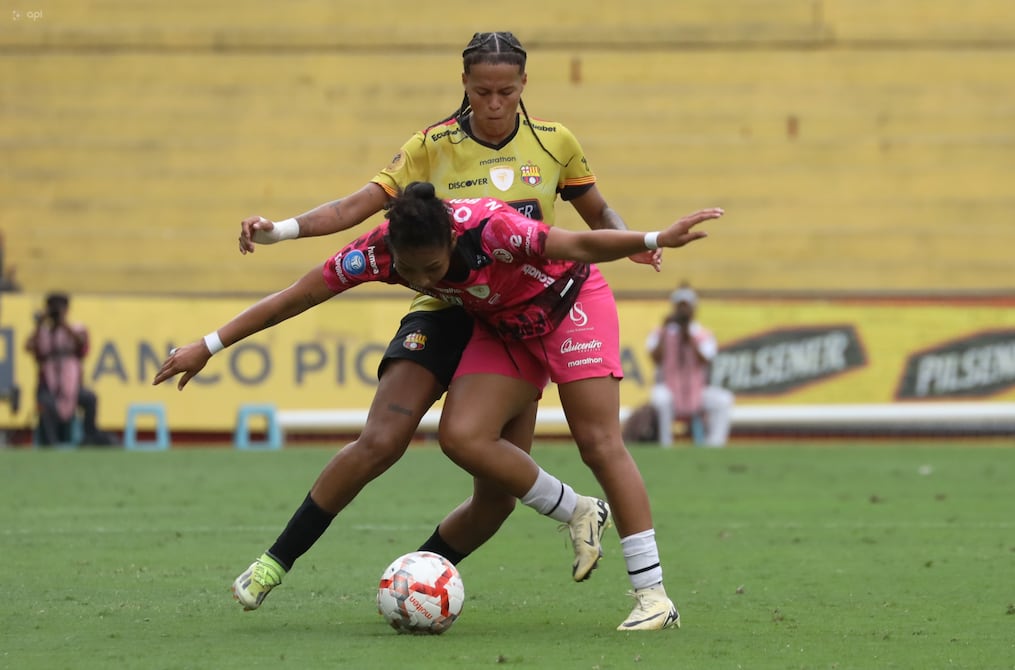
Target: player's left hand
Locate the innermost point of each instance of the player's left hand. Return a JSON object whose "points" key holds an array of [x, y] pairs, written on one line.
{"points": [[188, 359], [680, 231], [653, 257]]}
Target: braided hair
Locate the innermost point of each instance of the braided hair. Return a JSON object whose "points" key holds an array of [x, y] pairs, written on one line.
{"points": [[417, 218], [495, 49]]}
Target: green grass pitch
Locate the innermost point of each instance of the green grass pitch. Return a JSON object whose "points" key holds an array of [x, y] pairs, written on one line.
{"points": [[841, 554]]}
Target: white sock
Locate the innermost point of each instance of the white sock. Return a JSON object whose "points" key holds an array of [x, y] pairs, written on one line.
{"points": [[551, 497], [642, 557]]}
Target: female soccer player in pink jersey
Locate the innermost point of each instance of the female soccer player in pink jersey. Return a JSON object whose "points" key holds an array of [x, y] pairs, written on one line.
{"points": [[540, 317]]}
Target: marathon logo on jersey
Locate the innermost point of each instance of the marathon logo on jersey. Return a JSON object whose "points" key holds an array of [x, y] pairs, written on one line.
{"points": [[516, 241], [530, 174], [496, 160], [354, 263], [787, 359], [502, 177], [972, 367], [537, 274], [503, 255], [415, 341], [467, 183]]}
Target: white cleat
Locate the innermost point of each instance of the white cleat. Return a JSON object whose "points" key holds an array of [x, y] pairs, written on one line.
{"points": [[591, 517], [654, 611]]}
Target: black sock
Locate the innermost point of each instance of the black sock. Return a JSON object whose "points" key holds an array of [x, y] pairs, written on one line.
{"points": [[437, 545], [305, 527]]}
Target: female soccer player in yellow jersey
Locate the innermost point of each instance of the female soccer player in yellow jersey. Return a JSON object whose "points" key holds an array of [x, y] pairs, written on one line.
{"points": [[490, 147]]}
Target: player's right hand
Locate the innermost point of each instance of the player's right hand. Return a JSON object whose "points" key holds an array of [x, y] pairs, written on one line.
{"points": [[188, 359], [249, 229]]}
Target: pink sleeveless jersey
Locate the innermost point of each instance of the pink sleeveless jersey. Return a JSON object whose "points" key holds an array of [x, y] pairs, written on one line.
{"points": [[509, 285]]}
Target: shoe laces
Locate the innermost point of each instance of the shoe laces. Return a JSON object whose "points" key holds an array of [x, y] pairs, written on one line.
{"points": [[643, 598], [265, 575]]}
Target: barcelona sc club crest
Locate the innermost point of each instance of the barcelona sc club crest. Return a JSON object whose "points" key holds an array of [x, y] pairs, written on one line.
{"points": [[415, 341], [530, 174]]}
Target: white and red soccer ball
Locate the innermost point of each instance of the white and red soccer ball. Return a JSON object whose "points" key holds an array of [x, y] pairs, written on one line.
{"points": [[421, 592]]}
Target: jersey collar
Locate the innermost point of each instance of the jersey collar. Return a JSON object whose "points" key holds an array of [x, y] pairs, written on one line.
{"points": [[466, 126]]}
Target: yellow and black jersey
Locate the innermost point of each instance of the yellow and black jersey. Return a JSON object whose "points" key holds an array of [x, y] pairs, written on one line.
{"points": [[518, 170]]}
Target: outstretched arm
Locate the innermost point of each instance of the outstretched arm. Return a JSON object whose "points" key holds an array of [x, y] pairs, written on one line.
{"points": [[331, 217], [189, 359], [596, 246]]}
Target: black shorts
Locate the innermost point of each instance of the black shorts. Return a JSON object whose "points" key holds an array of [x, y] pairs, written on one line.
{"points": [[434, 339]]}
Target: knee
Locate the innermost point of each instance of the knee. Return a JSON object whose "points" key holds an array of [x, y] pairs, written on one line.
{"points": [[377, 451], [599, 448], [456, 441]]}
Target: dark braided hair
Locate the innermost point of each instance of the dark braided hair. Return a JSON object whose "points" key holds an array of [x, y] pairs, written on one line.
{"points": [[495, 49], [417, 218]]}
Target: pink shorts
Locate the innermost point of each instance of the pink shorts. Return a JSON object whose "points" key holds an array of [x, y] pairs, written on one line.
{"points": [[585, 345]]}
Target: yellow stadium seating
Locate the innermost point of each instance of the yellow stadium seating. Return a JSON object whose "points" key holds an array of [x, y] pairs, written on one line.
{"points": [[856, 146]]}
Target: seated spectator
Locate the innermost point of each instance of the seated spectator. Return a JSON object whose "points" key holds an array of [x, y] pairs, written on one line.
{"points": [[59, 348], [682, 350]]}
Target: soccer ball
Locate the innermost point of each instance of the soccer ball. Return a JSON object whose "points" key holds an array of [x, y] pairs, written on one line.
{"points": [[421, 593]]}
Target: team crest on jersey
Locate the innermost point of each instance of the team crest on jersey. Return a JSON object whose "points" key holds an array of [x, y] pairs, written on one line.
{"points": [[502, 177], [480, 292], [354, 263], [415, 341], [530, 174], [503, 255]]}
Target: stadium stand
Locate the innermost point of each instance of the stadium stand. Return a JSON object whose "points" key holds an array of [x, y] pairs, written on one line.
{"points": [[856, 149]]}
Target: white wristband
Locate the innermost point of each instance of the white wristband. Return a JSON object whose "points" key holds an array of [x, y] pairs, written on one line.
{"points": [[213, 342], [283, 230], [652, 240]]}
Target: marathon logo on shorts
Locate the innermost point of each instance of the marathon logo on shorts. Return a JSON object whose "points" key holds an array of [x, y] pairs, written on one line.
{"points": [[354, 263], [972, 367], [787, 359], [415, 341], [581, 362]]}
